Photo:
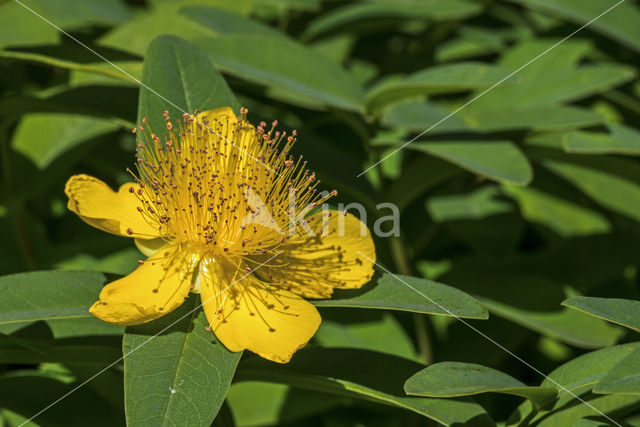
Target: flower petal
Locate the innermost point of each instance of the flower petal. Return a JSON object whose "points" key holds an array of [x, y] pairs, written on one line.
{"points": [[340, 256], [157, 287], [98, 205], [246, 313]]}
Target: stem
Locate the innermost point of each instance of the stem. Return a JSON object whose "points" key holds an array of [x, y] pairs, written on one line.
{"points": [[419, 320], [13, 203]]}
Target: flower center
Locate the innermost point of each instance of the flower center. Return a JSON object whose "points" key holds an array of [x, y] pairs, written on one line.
{"points": [[223, 185]]}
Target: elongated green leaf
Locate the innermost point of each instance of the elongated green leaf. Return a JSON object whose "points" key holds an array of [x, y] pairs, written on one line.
{"points": [[553, 78], [354, 14], [479, 204], [620, 23], [451, 379], [175, 371], [621, 140], [70, 15], [566, 325], [407, 293], [384, 334], [19, 27], [418, 116], [615, 406], [621, 311], [623, 378], [286, 65], [439, 79], [562, 216], [611, 182], [364, 374], [575, 379], [182, 80], [255, 403], [501, 161], [44, 295], [43, 137], [541, 118]]}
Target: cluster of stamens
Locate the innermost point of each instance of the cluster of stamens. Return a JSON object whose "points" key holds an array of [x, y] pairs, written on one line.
{"points": [[223, 186]]}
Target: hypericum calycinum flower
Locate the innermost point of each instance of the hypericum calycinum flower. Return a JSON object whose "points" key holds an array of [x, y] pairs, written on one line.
{"points": [[221, 208]]}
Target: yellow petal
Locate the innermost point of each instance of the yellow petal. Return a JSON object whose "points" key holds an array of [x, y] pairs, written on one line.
{"points": [[245, 313], [157, 287], [341, 255], [98, 205]]}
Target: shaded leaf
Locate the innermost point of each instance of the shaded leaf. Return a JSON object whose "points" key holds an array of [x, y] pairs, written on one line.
{"points": [[562, 216], [284, 64], [438, 79], [43, 137], [451, 379], [620, 23], [363, 374], [621, 140]]}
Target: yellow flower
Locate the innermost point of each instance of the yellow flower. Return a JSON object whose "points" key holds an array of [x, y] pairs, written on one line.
{"points": [[221, 208]]}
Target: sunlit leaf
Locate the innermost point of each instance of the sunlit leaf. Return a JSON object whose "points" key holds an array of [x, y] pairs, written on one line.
{"points": [[407, 293], [175, 371], [621, 311]]}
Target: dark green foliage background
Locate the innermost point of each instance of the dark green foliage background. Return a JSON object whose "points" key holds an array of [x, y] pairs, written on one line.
{"points": [[525, 203]]}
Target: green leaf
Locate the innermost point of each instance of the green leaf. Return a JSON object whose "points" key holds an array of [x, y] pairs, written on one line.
{"points": [[501, 161], [621, 311], [364, 374], [19, 27], [68, 353], [286, 65], [539, 118], [611, 182], [479, 204], [28, 393], [554, 77], [407, 293], [560, 215], [418, 116], [44, 137], [621, 140], [354, 14], [256, 403], [576, 378], [81, 14], [384, 334], [619, 24], [189, 23], [176, 373], [566, 325], [183, 79], [451, 379], [45, 295], [438, 79], [413, 182], [623, 378]]}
